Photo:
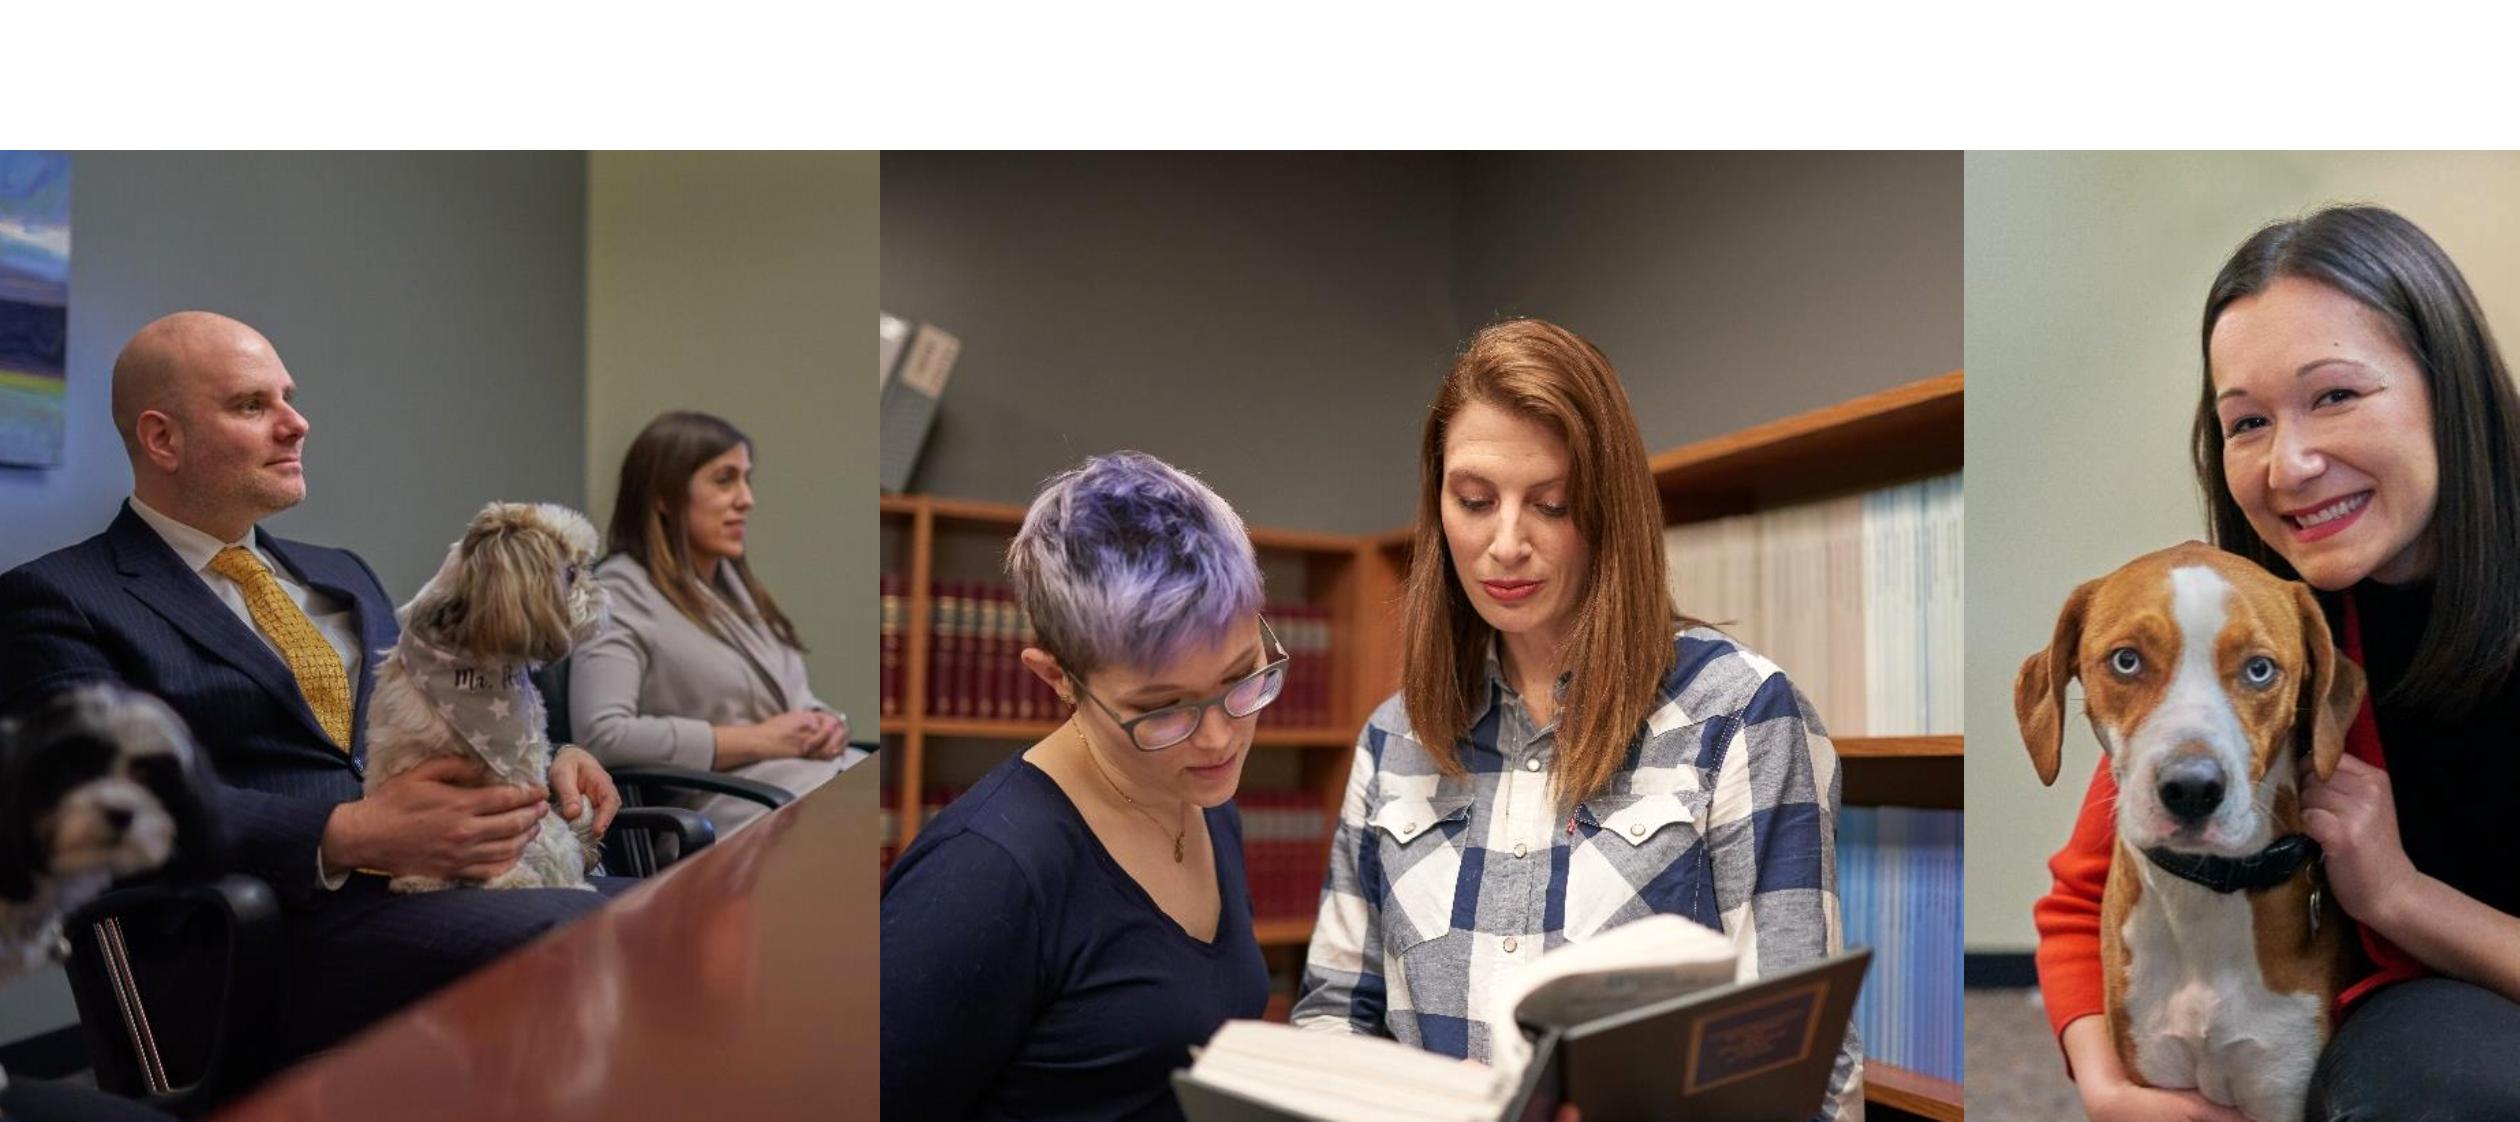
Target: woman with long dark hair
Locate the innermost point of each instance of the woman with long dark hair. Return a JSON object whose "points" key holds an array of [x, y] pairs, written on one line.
{"points": [[2358, 430], [699, 669]]}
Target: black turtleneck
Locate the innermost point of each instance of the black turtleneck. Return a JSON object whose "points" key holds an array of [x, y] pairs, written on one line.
{"points": [[2457, 782]]}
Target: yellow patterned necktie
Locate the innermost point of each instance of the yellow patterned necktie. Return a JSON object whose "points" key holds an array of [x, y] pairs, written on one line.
{"points": [[312, 660]]}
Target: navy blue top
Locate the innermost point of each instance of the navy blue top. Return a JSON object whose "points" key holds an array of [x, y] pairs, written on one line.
{"points": [[1027, 976]]}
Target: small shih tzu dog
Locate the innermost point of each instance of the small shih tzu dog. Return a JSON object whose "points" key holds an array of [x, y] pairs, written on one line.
{"points": [[518, 591], [96, 783]]}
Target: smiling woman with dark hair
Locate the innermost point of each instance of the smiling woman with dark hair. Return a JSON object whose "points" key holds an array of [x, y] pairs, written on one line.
{"points": [[700, 669], [2359, 431], [1058, 938]]}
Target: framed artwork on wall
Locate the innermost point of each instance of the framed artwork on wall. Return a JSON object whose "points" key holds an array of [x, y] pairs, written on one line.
{"points": [[34, 305]]}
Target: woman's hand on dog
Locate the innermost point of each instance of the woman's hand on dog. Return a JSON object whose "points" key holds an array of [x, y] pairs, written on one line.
{"points": [[2109, 1096], [2353, 816], [432, 821], [574, 773], [2126, 1102]]}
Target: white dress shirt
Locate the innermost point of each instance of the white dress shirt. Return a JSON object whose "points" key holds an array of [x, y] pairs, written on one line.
{"points": [[336, 620]]}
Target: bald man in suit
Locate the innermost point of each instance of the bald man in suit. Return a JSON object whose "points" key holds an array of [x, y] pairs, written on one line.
{"points": [[267, 648]]}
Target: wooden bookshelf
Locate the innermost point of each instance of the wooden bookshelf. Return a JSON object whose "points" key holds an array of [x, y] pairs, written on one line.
{"points": [[926, 522], [1283, 932], [1905, 433], [1877, 440], [1897, 747], [1898, 435], [1897, 1092]]}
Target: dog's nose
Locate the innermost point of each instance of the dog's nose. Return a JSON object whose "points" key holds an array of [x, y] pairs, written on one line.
{"points": [[118, 817], [2191, 788]]}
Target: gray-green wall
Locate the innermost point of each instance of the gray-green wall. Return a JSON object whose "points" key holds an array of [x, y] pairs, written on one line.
{"points": [[2086, 274], [743, 284]]}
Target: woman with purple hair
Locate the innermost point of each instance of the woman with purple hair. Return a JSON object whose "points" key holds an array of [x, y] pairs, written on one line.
{"points": [[1060, 936]]}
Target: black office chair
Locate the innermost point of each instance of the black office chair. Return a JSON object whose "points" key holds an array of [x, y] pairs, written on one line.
{"points": [[184, 1055], [649, 781]]}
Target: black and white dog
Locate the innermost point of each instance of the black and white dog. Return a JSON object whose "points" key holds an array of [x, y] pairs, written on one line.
{"points": [[97, 783]]}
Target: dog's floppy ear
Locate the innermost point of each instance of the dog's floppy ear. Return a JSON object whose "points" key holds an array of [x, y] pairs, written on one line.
{"points": [[2331, 690], [181, 780], [2039, 689]]}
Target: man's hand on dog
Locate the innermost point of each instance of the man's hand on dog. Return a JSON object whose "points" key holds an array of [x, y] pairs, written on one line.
{"points": [[574, 773], [433, 821], [2353, 816]]}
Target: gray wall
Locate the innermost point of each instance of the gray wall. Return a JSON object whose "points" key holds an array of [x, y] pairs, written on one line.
{"points": [[2086, 273], [1277, 322], [1728, 288], [743, 284], [430, 307], [1271, 322]]}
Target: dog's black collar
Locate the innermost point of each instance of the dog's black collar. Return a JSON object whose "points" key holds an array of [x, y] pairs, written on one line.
{"points": [[2264, 869]]}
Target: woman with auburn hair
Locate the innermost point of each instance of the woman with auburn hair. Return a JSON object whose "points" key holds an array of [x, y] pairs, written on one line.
{"points": [[1063, 934], [1593, 755], [699, 669], [2358, 430]]}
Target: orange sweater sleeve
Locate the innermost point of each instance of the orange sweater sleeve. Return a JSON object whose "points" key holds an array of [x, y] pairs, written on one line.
{"points": [[2068, 917]]}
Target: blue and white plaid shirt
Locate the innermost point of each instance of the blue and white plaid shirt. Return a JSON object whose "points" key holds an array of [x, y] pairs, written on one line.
{"points": [[1440, 886]]}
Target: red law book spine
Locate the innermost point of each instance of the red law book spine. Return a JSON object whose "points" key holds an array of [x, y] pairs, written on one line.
{"points": [[1006, 672], [976, 675], [1316, 658], [888, 671], [951, 651], [1003, 663], [958, 659], [984, 699], [976, 661], [1322, 676], [941, 649], [935, 699]]}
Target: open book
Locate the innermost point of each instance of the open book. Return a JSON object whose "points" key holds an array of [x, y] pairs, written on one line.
{"points": [[1341, 1077]]}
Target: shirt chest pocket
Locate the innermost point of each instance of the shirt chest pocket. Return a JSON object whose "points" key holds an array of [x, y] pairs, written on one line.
{"points": [[1641, 854], [1417, 845]]}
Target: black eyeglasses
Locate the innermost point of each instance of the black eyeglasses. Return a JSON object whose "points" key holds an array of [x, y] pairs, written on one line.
{"points": [[1158, 729]]}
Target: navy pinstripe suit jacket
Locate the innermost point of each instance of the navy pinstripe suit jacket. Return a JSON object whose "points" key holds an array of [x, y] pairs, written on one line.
{"points": [[122, 606]]}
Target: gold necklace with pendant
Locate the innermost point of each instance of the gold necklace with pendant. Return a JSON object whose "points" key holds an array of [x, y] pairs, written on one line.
{"points": [[1178, 837]]}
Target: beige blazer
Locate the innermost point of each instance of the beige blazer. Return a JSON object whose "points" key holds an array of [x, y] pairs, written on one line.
{"points": [[648, 689]]}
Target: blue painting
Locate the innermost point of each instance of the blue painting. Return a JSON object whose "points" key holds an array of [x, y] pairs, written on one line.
{"points": [[34, 305]]}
